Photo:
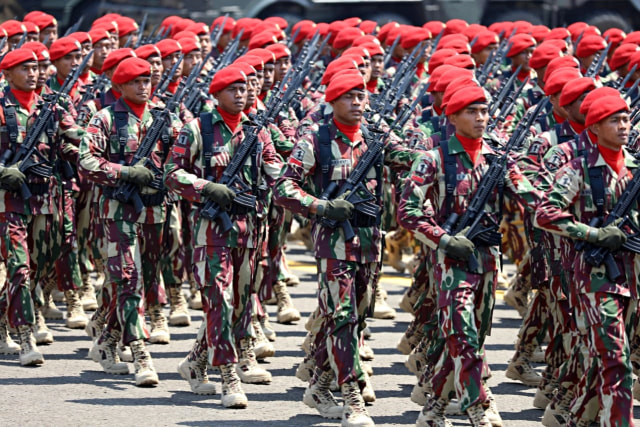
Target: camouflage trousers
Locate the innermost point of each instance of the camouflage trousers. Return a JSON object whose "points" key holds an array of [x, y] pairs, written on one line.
{"points": [[345, 291], [277, 228], [185, 251], [512, 228], [224, 276], [466, 307], [132, 267], [67, 267], [608, 318], [26, 247], [83, 224], [172, 264]]}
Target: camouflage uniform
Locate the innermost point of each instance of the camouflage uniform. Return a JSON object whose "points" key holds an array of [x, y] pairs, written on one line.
{"points": [[465, 299]]}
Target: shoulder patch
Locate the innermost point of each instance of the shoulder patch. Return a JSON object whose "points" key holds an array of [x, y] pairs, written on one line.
{"points": [[297, 157]]}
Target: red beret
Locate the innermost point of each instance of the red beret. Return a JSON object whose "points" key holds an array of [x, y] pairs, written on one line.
{"points": [[189, 45], [279, 50], [562, 62], [411, 39], [246, 24], [522, 27], [622, 55], [146, 51], [435, 27], [573, 91], [614, 35], [633, 37], [307, 29], [496, 27], [464, 97], [461, 61], [13, 27], [560, 44], [266, 55], [394, 33], [543, 54], [604, 108], [279, 21], [346, 36], [246, 68], [384, 30], [560, 77], [323, 29], [129, 69], [343, 63], [81, 36], [63, 46], [589, 45], [366, 39], [438, 74], [41, 19], [17, 57], [111, 27], [254, 60], [438, 58], [454, 26], [31, 27], [265, 26], [539, 32], [558, 33], [262, 39], [186, 34], [458, 45], [520, 42], [98, 34], [472, 31], [576, 29], [357, 50], [199, 29], [168, 47], [180, 25], [447, 78], [3, 33], [229, 24], [374, 49], [483, 39], [126, 26], [342, 83], [354, 21], [117, 56], [225, 77], [596, 95], [368, 26], [169, 21], [454, 86], [41, 51], [334, 29], [457, 36], [634, 59]]}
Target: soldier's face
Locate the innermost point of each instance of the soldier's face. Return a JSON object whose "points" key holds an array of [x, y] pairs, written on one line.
{"points": [[366, 69], [50, 33], [281, 67], [137, 90], [224, 41], [349, 107], [190, 60], [522, 59], [100, 51], [377, 66], [482, 56], [32, 37], [471, 121], [205, 43], [13, 41], [232, 98], [573, 110], [253, 89], [613, 131], [23, 76], [66, 63], [269, 73], [43, 67], [169, 61], [156, 69], [260, 77]]}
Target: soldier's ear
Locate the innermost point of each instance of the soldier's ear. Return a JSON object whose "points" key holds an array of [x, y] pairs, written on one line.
{"points": [[595, 128]]}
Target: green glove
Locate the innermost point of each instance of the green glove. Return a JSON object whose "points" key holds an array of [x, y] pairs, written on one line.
{"points": [[458, 246], [337, 210], [219, 193], [12, 177], [137, 174], [610, 237]]}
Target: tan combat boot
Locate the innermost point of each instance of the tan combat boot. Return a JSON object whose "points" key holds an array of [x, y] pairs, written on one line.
{"points": [[287, 313], [382, 310], [232, 394], [7, 345], [354, 414], [195, 299], [96, 323], [247, 367], [545, 390], [319, 396], [491, 408], [42, 334], [477, 416], [29, 353], [520, 369], [268, 330], [368, 394], [88, 294], [557, 413], [159, 328], [76, 317], [49, 310], [106, 354], [305, 369], [417, 359], [179, 313], [195, 372], [517, 296], [145, 373], [432, 414], [263, 348]]}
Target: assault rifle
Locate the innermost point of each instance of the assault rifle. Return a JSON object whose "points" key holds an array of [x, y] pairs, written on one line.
{"points": [[92, 90], [505, 100], [434, 45], [389, 54], [166, 79], [29, 159], [596, 64], [475, 214], [622, 82], [141, 31], [493, 64], [72, 29], [216, 33]]}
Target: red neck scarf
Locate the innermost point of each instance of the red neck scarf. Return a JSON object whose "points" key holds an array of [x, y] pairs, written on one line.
{"points": [[84, 77], [372, 85], [522, 75], [251, 108], [137, 109], [74, 88], [231, 120], [559, 118], [473, 147], [95, 70], [420, 70], [437, 110], [116, 94], [615, 159], [173, 86], [350, 131], [24, 98], [262, 96], [592, 136], [577, 127]]}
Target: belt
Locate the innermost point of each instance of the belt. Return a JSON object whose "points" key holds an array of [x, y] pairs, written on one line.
{"points": [[155, 199]]}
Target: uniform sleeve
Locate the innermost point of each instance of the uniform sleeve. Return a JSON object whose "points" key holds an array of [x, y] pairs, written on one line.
{"points": [[398, 156], [520, 187], [271, 162], [71, 135], [288, 191], [93, 163]]}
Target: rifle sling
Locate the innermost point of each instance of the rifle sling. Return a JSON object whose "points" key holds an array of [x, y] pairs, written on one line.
{"points": [[11, 121], [597, 188], [450, 178], [122, 128], [206, 128]]}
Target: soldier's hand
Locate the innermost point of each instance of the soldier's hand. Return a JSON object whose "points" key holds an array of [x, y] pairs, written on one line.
{"points": [[338, 210], [12, 177], [219, 193], [137, 174], [459, 247], [610, 237]]}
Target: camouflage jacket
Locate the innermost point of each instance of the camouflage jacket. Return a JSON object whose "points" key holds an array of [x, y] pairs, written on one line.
{"points": [[185, 175], [301, 185], [101, 162], [422, 208], [568, 207], [45, 191], [94, 105]]}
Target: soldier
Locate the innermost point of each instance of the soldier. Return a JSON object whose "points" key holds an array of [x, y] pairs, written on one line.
{"points": [[465, 298], [579, 194], [113, 137], [223, 260], [47, 24]]}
